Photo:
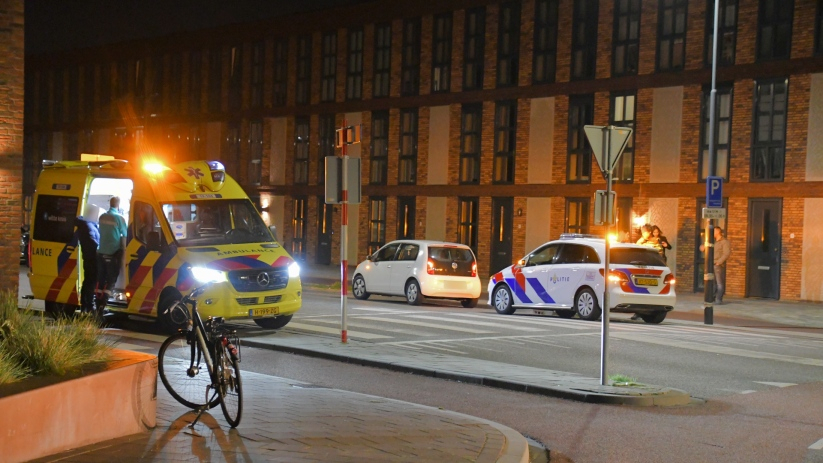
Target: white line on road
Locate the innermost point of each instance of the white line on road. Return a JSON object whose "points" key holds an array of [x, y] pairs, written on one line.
{"points": [[430, 345], [513, 320], [817, 445], [472, 322], [428, 325], [767, 383], [544, 343], [493, 338], [323, 329]]}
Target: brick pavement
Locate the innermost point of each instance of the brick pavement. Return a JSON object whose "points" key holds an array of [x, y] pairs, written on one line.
{"points": [[289, 421]]}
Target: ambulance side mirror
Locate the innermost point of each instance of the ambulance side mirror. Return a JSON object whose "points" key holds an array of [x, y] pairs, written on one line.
{"points": [[153, 241], [273, 229]]}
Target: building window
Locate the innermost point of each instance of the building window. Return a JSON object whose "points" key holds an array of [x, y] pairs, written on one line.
{"points": [[505, 135], [195, 81], [671, 35], [474, 48], [195, 141], [105, 92], [818, 29], [722, 132], [626, 42], [257, 52], [377, 223], [232, 151], [382, 60], [623, 109], [441, 52], [405, 217], [281, 72], [139, 86], [301, 151], [774, 38], [577, 215], [255, 151], [379, 148], [407, 174], [88, 95], [354, 73], [298, 226], [470, 143], [581, 113], [508, 44], [74, 92], [329, 67], [545, 41], [769, 144], [57, 96], [216, 80], [326, 144], [236, 78], [122, 79], [303, 70], [176, 83], [410, 64], [584, 39], [726, 30], [467, 212]]}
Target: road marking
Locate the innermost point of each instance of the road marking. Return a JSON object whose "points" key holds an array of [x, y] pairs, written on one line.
{"points": [[428, 345], [428, 325], [747, 391], [767, 383], [358, 323], [513, 320], [472, 322], [492, 338], [323, 329], [817, 445], [544, 343], [384, 310], [134, 335]]}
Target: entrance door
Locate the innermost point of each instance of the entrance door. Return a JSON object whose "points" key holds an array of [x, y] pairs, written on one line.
{"points": [[405, 217], [324, 232], [763, 250], [502, 212]]}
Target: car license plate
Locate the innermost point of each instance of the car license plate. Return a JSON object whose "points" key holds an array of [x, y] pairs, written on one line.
{"points": [[262, 312], [647, 281]]}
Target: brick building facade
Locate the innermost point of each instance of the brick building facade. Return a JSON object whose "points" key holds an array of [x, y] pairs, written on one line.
{"points": [[472, 114]]}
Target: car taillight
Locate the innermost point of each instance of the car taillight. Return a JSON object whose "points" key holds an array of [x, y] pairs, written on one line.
{"points": [[669, 279], [616, 277], [430, 267], [474, 269]]}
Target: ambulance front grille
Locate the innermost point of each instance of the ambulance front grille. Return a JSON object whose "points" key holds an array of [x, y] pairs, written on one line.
{"points": [[254, 300], [253, 280]]}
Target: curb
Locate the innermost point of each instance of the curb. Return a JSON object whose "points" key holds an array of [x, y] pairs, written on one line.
{"points": [[580, 393]]}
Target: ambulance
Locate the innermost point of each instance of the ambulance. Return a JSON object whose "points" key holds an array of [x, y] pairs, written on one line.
{"points": [[188, 223]]}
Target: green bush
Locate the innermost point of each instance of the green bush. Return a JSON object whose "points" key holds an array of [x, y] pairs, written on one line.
{"points": [[33, 345]]}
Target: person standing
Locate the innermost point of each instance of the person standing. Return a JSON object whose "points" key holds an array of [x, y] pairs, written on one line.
{"points": [[87, 234], [722, 251], [113, 234], [662, 242]]}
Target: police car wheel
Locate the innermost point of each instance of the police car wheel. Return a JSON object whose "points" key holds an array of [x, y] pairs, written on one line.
{"points": [[273, 323], [502, 300], [655, 318], [469, 303], [413, 294], [586, 305], [358, 288], [565, 313]]}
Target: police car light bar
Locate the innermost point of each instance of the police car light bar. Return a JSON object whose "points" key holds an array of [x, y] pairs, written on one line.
{"points": [[568, 236]]}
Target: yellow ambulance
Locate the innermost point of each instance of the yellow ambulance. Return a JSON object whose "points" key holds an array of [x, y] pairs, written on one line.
{"points": [[187, 222]]}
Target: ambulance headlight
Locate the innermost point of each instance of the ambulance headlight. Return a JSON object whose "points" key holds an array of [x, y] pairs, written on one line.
{"points": [[294, 270], [208, 275]]}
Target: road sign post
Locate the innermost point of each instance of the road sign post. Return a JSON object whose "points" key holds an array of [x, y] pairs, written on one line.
{"points": [[608, 143], [714, 203]]}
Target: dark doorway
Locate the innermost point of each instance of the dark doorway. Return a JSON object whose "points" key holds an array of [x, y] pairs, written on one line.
{"points": [[502, 214], [324, 231], [405, 217], [763, 250]]}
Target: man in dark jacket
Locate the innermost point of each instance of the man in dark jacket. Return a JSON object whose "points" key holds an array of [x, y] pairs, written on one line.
{"points": [[87, 234]]}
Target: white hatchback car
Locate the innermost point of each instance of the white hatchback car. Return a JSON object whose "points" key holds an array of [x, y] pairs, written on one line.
{"points": [[418, 269], [566, 276]]}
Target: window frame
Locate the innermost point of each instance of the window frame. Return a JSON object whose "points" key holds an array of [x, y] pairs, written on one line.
{"points": [[470, 158], [441, 52], [582, 154], [195, 81], [236, 78], [377, 223], [582, 213], [299, 235], [255, 152], [769, 176], [379, 158], [215, 101], [280, 72], [328, 66], [583, 62], [467, 227], [818, 29], [723, 30], [770, 19], [407, 160], [410, 58], [505, 132], [354, 65], [382, 60], [175, 83], [302, 127], [325, 141], [631, 16], [544, 55], [628, 152], [302, 88], [258, 53], [406, 218], [723, 89], [508, 44], [474, 47], [673, 37]]}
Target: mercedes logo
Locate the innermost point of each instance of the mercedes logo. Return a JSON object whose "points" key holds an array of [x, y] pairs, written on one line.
{"points": [[263, 279], [454, 265]]}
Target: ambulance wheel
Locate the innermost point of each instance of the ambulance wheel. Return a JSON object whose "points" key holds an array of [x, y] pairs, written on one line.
{"points": [[274, 323], [59, 310], [565, 313], [171, 320], [586, 304], [502, 300]]}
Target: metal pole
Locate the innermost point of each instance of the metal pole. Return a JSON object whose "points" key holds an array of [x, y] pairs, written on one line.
{"points": [[708, 266], [344, 220], [604, 335]]}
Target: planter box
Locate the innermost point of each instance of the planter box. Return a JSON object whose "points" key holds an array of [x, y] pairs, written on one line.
{"points": [[44, 416]]}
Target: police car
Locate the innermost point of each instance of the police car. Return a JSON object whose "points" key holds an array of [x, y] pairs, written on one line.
{"points": [[567, 276]]}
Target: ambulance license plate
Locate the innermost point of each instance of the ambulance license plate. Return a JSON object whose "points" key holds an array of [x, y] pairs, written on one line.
{"points": [[264, 311], [647, 281]]}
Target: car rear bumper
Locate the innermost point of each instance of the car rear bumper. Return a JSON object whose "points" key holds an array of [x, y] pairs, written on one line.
{"points": [[451, 287], [622, 302]]}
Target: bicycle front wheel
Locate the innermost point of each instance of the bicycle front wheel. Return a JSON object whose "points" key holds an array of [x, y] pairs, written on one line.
{"points": [[186, 379], [229, 386]]}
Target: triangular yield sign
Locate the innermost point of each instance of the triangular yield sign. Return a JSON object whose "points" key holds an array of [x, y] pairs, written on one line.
{"points": [[617, 138]]}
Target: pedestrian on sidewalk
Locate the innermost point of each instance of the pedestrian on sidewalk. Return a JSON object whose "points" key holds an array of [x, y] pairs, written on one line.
{"points": [[722, 251], [87, 235], [113, 234], [662, 242]]}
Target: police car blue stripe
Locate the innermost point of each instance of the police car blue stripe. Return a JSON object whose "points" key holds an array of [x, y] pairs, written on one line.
{"points": [[518, 293], [540, 290]]}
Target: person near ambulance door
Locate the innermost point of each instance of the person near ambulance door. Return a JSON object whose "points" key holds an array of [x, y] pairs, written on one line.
{"points": [[662, 242], [113, 234], [87, 234]]}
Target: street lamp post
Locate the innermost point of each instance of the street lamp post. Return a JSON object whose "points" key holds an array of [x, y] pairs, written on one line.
{"points": [[708, 266]]}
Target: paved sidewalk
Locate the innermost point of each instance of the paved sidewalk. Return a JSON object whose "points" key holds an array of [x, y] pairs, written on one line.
{"points": [[289, 421]]}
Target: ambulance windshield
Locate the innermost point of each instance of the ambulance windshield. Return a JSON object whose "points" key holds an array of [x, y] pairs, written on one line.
{"points": [[215, 222]]}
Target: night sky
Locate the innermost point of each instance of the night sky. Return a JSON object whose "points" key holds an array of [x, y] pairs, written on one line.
{"points": [[54, 25]]}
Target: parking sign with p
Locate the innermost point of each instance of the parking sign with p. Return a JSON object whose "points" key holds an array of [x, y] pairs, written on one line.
{"points": [[714, 192]]}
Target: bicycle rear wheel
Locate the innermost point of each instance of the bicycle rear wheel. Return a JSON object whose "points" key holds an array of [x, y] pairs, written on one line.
{"points": [[186, 383], [229, 386]]}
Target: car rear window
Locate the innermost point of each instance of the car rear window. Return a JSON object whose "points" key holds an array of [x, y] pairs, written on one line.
{"points": [[451, 261], [636, 256]]}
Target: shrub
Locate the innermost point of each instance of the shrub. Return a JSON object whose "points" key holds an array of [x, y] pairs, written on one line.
{"points": [[33, 345]]}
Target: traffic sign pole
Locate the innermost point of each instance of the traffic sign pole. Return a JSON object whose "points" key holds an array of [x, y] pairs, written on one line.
{"points": [[344, 229], [604, 335]]}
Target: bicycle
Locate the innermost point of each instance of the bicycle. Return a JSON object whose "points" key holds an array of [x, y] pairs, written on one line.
{"points": [[183, 355]]}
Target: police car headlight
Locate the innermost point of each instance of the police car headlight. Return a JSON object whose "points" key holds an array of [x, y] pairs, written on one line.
{"points": [[294, 270], [207, 275]]}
